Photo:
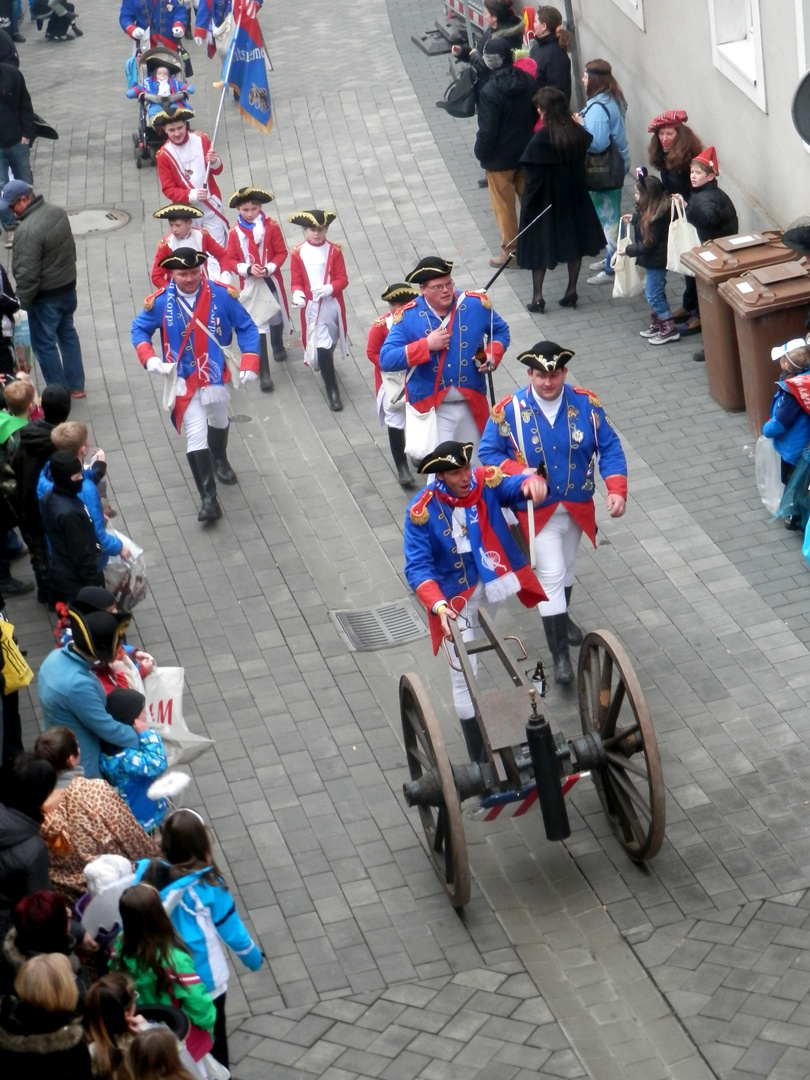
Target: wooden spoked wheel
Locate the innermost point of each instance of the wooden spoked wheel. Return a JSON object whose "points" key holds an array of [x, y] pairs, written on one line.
{"points": [[427, 754], [629, 782]]}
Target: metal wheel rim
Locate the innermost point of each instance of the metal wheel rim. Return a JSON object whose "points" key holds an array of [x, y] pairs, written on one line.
{"points": [[630, 788], [443, 826]]}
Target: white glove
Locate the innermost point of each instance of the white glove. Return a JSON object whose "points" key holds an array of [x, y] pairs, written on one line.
{"points": [[200, 41], [320, 291], [298, 298], [178, 31], [192, 195], [157, 367], [247, 376], [139, 33], [271, 268]]}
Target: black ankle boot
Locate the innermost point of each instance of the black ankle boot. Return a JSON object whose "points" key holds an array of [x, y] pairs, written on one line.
{"points": [[326, 360], [574, 632], [475, 744], [202, 469], [556, 629], [396, 440], [277, 342], [218, 443], [265, 378]]}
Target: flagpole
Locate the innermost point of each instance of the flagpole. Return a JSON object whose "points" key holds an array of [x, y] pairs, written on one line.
{"points": [[222, 96]]}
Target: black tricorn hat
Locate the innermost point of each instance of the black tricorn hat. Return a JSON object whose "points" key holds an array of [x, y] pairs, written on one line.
{"points": [[97, 633], [545, 356], [312, 219], [447, 455], [249, 194], [168, 116], [399, 292], [184, 258], [155, 62], [178, 210], [428, 268]]}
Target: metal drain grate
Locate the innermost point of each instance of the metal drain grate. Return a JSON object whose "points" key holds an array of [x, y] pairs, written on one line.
{"points": [[85, 222], [383, 627]]}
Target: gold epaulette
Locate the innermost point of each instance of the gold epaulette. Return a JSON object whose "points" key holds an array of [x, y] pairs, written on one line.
{"points": [[149, 302], [482, 296], [397, 317], [592, 398], [498, 412], [380, 320], [492, 475], [419, 510], [232, 291]]}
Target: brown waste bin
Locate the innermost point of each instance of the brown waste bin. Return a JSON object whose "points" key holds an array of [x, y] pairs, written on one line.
{"points": [[713, 263], [770, 307]]}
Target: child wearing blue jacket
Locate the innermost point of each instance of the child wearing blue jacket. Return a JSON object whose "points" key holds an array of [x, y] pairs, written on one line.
{"points": [[132, 772], [201, 908], [789, 425]]}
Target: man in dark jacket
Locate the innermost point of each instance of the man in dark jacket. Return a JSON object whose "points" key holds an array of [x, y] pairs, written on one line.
{"points": [[44, 269], [34, 451], [506, 119], [73, 552], [16, 133], [25, 784]]}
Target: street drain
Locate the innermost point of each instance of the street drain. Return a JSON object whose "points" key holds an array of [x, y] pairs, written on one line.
{"points": [[241, 418], [85, 222], [383, 627]]}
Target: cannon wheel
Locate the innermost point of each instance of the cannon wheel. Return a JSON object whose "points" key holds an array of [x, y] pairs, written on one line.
{"points": [[444, 829], [630, 783]]}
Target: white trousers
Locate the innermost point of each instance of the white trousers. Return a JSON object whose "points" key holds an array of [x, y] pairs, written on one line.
{"points": [[455, 420], [469, 626], [555, 552], [214, 223], [206, 407]]}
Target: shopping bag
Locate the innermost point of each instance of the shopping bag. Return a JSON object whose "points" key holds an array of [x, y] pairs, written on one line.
{"points": [[16, 670], [768, 466], [22, 344], [258, 301], [683, 237], [421, 432], [164, 706], [459, 97], [629, 277], [394, 386], [170, 389], [126, 578]]}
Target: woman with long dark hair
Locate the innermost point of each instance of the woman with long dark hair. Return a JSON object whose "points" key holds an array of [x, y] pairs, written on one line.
{"points": [[603, 117], [554, 162], [111, 1021]]}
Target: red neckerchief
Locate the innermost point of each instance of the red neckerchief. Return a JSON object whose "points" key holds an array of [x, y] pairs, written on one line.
{"points": [[470, 499], [799, 387], [253, 248]]}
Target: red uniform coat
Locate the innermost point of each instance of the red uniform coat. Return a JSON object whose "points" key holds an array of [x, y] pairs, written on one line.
{"points": [[175, 184], [242, 249], [334, 275], [205, 243], [376, 336]]}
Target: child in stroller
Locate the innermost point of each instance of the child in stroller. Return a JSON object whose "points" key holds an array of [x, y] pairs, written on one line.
{"points": [[160, 87], [157, 83]]}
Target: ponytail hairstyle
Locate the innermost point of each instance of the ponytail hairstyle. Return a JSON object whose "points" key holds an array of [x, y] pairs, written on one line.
{"points": [[602, 81], [653, 201], [186, 844], [552, 19], [106, 1022]]}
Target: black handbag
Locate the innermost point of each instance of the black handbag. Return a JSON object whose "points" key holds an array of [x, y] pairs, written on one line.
{"points": [[605, 171], [459, 97]]}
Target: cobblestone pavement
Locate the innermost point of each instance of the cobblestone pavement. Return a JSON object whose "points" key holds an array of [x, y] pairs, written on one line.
{"points": [[569, 960]]}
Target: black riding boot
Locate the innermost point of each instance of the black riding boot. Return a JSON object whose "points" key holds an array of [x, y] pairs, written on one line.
{"points": [[574, 632], [556, 628], [475, 744], [202, 469], [265, 378], [218, 442], [326, 359], [396, 440], [277, 342]]}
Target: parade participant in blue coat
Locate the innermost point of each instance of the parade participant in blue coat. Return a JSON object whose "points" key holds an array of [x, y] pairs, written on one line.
{"points": [[211, 14], [197, 319], [162, 21], [559, 430], [447, 341], [460, 554]]}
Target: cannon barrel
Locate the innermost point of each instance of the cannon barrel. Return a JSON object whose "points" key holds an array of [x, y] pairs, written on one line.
{"points": [[543, 751], [469, 780]]}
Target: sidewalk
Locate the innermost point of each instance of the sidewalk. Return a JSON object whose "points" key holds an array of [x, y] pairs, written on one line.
{"points": [[569, 961]]}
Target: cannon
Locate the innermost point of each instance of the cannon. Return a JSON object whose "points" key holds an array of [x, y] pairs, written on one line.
{"points": [[527, 761]]}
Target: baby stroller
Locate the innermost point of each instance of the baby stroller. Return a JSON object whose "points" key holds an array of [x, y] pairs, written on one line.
{"points": [[149, 139]]}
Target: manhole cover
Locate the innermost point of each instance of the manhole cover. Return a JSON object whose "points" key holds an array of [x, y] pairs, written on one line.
{"points": [[84, 222], [241, 418], [383, 627]]}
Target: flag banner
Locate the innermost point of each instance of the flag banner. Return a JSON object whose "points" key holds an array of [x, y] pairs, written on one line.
{"points": [[247, 73]]}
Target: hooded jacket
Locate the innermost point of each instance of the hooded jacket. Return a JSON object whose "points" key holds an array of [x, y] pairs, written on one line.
{"points": [[23, 861], [38, 1045], [506, 118]]}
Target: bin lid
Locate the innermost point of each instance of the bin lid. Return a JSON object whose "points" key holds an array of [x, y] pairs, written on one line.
{"points": [[751, 298], [718, 260], [786, 271]]}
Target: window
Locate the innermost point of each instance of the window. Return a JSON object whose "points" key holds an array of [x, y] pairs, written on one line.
{"points": [[737, 45], [633, 9]]}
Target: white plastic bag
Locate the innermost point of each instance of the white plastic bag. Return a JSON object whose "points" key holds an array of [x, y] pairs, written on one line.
{"points": [[683, 237], [164, 704], [126, 578], [629, 276], [769, 474]]}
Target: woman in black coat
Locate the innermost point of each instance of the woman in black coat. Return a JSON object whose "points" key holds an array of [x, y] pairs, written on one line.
{"points": [[554, 164], [550, 49]]}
